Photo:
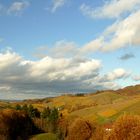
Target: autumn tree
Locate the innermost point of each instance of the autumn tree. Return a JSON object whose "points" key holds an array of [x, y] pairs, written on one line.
{"points": [[79, 130], [127, 127], [15, 125]]}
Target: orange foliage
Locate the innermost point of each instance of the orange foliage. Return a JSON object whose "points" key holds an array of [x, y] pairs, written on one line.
{"points": [[127, 127], [79, 130]]}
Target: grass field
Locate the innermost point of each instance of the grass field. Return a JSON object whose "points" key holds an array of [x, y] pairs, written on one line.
{"points": [[44, 136]]}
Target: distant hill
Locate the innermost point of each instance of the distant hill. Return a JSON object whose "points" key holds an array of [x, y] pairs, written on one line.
{"points": [[130, 90], [101, 106]]}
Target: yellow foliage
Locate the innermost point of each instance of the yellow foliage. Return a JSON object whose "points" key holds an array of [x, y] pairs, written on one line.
{"points": [[127, 127], [79, 130]]}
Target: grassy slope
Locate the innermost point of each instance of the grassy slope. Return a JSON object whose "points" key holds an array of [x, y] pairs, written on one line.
{"points": [[45, 136]]}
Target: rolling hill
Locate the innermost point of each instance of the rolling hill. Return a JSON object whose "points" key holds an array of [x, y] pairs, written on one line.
{"points": [[103, 106]]}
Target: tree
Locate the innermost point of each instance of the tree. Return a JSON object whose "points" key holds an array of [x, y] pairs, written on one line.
{"points": [[53, 120], [46, 113], [79, 130], [25, 108], [54, 115], [33, 112], [18, 107]]}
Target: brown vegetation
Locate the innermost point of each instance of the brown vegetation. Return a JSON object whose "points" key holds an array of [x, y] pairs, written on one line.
{"points": [[15, 125], [126, 127], [79, 130]]}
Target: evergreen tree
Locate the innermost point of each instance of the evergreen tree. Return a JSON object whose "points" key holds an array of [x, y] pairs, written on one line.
{"points": [[25, 108], [54, 115], [33, 112], [46, 113], [18, 107]]}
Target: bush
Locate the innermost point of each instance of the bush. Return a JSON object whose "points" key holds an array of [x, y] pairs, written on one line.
{"points": [[127, 127], [79, 130]]}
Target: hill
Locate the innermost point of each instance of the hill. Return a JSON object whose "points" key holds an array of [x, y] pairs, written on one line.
{"points": [[102, 106]]}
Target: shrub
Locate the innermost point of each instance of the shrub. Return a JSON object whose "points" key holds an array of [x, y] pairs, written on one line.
{"points": [[98, 133], [79, 130], [127, 127]]}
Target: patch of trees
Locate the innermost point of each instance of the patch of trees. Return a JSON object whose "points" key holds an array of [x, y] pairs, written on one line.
{"points": [[16, 125], [32, 112], [80, 94], [51, 116], [46, 120]]}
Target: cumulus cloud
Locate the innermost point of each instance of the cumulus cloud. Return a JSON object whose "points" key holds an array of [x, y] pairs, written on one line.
{"points": [[51, 76], [110, 9], [127, 56], [57, 4]]}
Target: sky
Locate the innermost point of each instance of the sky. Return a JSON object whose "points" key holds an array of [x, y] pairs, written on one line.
{"points": [[54, 47]]}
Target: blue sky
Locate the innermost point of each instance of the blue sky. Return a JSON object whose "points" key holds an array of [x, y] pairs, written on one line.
{"points": [[49, 47]]}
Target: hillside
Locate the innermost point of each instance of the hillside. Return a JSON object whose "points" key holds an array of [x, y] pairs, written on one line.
{"points": [[100, 109], [103, 106]]}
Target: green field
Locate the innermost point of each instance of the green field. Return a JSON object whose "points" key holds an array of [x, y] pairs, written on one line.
{"points": [[44, 136]]}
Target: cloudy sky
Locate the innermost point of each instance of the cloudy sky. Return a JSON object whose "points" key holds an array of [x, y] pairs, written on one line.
{"points": [[49, 47]]}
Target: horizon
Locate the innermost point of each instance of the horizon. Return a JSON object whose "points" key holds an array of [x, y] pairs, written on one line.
{"points": [[48, 48]]}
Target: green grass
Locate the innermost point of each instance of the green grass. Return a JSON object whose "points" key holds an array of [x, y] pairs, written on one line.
{"points": [[44, 136]]}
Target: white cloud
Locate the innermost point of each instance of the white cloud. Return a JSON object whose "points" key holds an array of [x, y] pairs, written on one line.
{"points": [[111, 8], [136, 78], [118, 74], [64, 48], [92, 46], [123, 33], [50, 76], [60, 49], [57, 4], [17, 7]]}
